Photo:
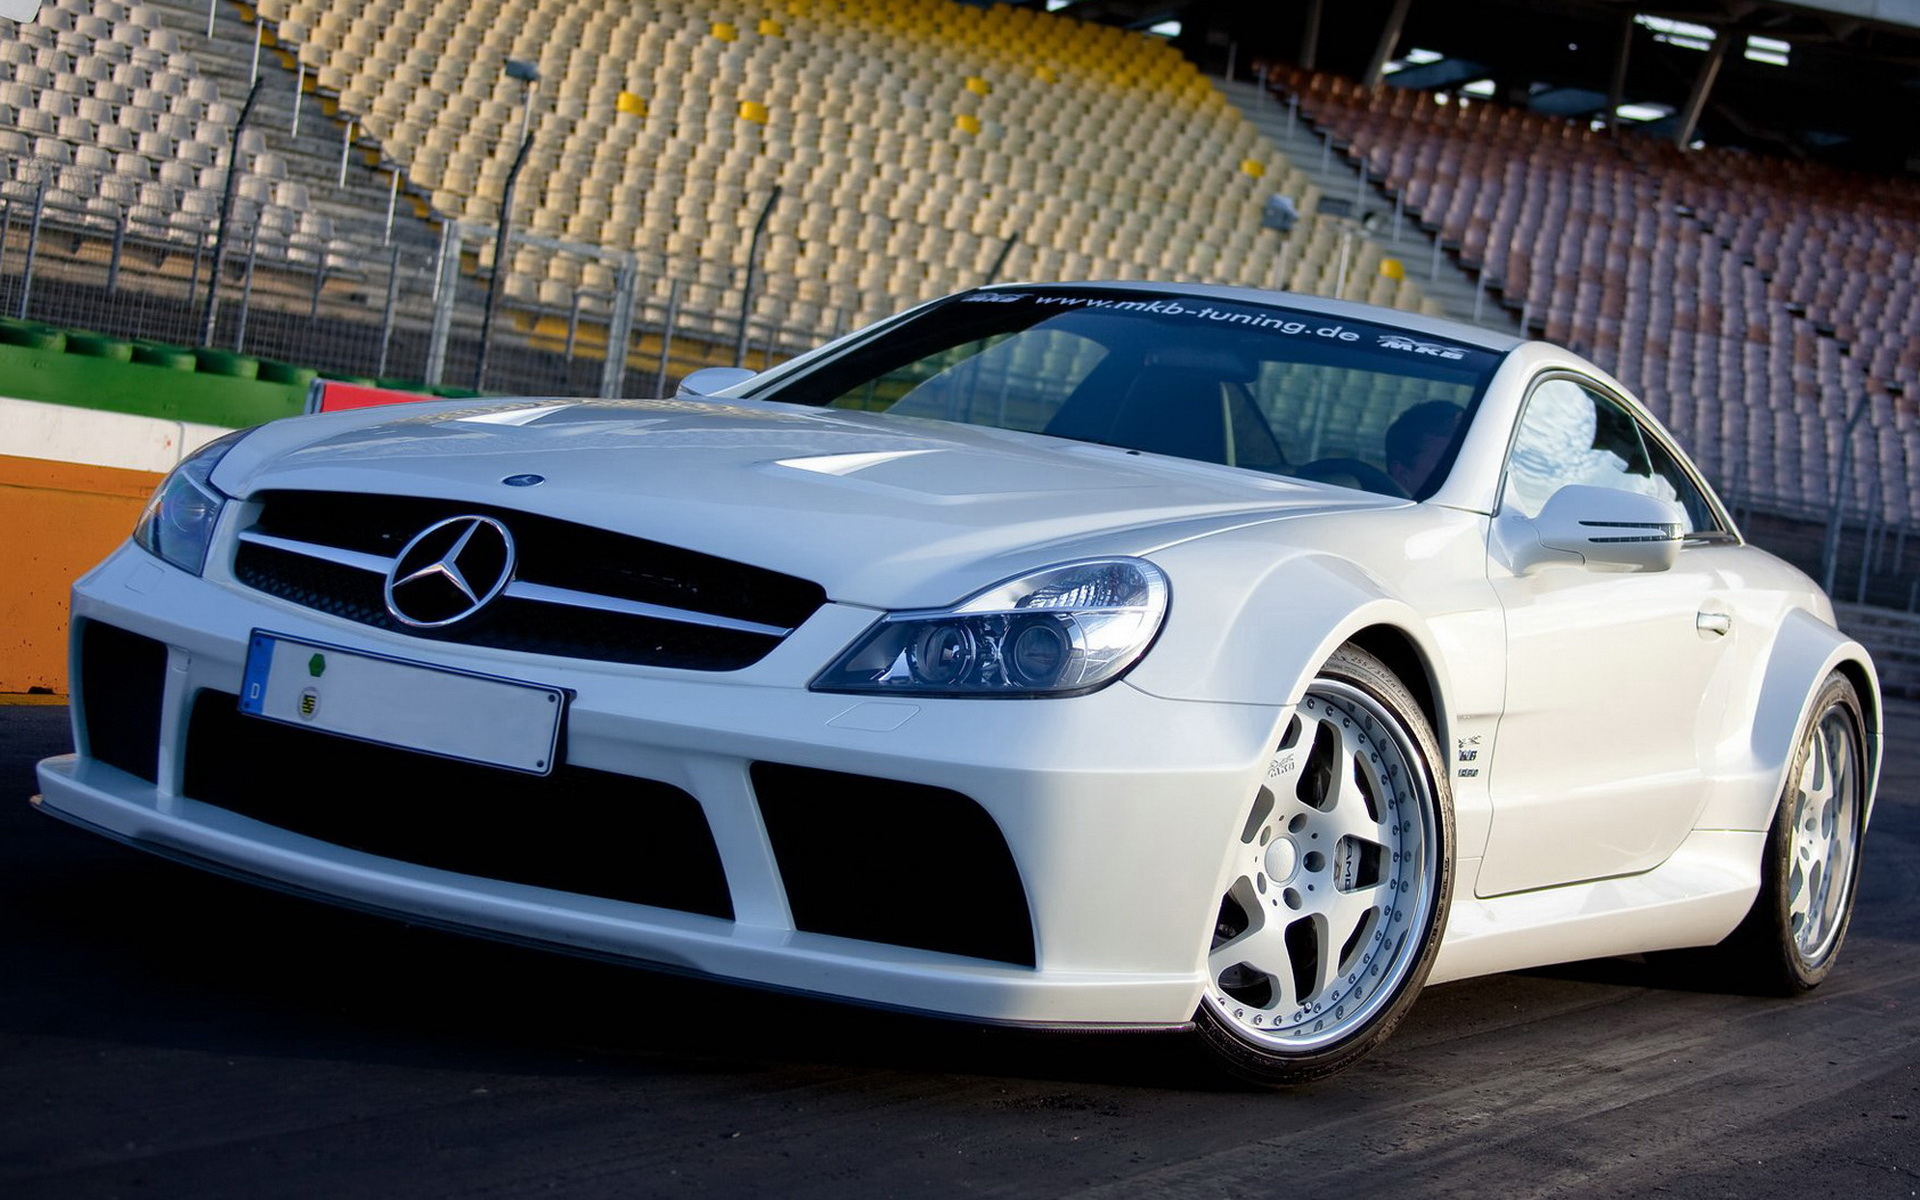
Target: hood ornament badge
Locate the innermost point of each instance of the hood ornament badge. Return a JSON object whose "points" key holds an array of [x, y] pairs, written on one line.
{"points": [[450, 571]]}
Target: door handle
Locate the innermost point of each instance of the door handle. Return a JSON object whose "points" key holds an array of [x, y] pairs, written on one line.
{"points": [[1713, 624]]}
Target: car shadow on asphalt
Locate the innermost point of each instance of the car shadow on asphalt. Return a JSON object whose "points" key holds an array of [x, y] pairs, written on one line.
{"points": [[172, 958]]}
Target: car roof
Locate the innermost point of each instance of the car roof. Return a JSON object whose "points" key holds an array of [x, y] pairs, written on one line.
{"points": [[1459, 331]]}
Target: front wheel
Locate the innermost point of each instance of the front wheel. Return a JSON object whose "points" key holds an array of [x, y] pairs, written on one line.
{"points": [[1339, 887]]}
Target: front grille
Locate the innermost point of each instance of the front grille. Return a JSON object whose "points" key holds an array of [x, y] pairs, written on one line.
{"points": [[900, 863], [577, 830], [122, 678], [605, 569]]}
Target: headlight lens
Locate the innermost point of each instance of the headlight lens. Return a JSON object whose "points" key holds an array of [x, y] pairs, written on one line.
{"points": [[178, 522], [1064, 630]]}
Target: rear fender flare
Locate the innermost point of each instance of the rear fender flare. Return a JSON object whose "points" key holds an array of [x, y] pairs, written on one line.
{"points": [[1805, 651]]}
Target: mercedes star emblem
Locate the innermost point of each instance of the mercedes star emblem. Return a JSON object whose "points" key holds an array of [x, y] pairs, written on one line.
{"points": [[450, 571]]}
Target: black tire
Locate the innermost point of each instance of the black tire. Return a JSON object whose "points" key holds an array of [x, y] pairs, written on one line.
{"points": [[1336, 903], [286, 373], [32, 335], [1791, 936], [95, 345], [225, 362], [170, 358]]}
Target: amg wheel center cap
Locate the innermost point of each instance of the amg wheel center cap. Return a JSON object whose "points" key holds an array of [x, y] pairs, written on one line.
{"points": [[1283, 859]]}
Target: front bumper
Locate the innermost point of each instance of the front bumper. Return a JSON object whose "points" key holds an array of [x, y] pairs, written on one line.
{"points": [[1117, 810]]}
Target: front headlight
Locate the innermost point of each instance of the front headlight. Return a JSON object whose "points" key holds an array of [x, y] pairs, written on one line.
{"points": [[1065, 630], [178, 522]]}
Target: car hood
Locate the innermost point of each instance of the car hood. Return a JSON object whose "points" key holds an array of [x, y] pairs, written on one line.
{"points": [[889, 512]]}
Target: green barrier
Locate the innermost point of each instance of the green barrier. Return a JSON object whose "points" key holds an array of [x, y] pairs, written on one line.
{"points": [[144, 388]]}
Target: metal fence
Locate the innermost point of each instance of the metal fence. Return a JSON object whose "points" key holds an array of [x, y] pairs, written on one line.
{"points": [[70, 255], [287, 289]]}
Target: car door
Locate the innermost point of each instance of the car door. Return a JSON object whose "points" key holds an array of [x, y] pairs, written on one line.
{"points": [[1616, 677]]}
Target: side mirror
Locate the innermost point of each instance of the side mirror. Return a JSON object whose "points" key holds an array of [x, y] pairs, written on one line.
{"points": [[1602, 527], [708, 380]]}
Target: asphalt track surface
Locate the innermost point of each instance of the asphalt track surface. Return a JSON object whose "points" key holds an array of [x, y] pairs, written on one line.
{"points": [[167, 1033]]}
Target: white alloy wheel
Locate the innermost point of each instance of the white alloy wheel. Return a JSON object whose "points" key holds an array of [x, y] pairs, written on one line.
{"points": [[1338, 886], [1824, 802], [1792, 935]]}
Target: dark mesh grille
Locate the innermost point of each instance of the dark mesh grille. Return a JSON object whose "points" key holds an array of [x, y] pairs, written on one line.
{"points": [[552, 552], [839, 839], [577, 830], [122, 677]]}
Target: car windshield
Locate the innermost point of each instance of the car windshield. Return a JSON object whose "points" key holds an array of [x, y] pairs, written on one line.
{"points": [[1263, 387]]}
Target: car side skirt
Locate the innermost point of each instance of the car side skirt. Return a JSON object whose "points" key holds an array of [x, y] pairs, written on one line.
{"points": [[1695, 898]]}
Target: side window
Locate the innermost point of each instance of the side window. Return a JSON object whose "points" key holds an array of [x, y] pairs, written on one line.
{"points": [[1573, 434], [1700, 518]]}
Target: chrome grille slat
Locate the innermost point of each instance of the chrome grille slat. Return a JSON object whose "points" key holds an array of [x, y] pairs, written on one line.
{"points": [[578, 591], [378, 564], [537, 592], [542, 594]]}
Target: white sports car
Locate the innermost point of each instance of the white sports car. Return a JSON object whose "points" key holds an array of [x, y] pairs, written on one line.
{"points": [[1094, 656]]}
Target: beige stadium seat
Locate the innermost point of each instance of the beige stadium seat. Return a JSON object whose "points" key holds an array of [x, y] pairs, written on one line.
{"points": [[843, 136], [94, 69], [120, 190]]}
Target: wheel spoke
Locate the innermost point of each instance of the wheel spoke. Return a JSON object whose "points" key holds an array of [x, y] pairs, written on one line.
{"points": [[1347, 912], [1349, 812], [1262, 947], [1342, 811], [1800, 897]]}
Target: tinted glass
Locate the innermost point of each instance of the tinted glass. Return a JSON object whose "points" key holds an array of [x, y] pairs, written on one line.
{"points": [[1265, 388]]}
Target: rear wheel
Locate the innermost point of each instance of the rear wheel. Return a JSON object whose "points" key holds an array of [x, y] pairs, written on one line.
{"points": [[1339, 887], [1792, 935]]}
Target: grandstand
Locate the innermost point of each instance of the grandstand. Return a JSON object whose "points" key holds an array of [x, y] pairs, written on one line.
{"points": [[911, 140], [908, 171], [1752, 303], [1763, 307]]}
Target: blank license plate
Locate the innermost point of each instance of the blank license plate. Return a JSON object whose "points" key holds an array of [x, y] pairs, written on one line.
{"points": [[454, 714]]}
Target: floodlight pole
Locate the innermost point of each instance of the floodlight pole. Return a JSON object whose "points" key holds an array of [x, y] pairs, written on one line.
{"points": [[211, 314], [1830, 552], [1000, 259], [1617, 90], [1702, 86], [527, 73], [1389, 40], [753, 258], [499, 262]]}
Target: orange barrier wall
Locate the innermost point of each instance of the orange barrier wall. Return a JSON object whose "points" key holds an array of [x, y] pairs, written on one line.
{"points": [[56, 520]]}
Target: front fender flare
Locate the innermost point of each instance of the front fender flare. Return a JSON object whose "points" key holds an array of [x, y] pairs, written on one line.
{"points": [[1266, 649]]}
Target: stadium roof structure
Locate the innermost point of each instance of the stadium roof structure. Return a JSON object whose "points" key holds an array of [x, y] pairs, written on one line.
{"points": [[1832, 80]]}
